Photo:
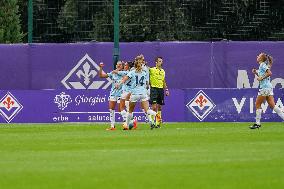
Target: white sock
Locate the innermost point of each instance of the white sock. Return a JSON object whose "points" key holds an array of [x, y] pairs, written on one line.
{"points": [[129, 118], [127, 105], [146, 116], [112, 117], [123, 113], [151, 113], [258, 116], [279, 112]]}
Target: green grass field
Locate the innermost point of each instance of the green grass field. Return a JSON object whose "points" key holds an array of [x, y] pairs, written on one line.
{"points": [[184, 155]]}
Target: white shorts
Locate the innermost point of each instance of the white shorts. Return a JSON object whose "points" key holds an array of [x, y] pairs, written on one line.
{"points": [[138, 98], [114, 98], [265, 92], [124, 95]]}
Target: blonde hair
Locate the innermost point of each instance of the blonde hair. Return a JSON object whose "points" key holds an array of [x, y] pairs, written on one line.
{"points": [[267, 58], [136, 63], [270, 60]]}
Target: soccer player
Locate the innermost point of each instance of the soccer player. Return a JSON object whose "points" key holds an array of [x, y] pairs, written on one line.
{"points": [[146, 68], [138, 91], [265, 88], [126, 90], [115, 93], [158, 85]]}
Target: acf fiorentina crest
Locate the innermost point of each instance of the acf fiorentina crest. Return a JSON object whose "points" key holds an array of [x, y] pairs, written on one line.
{"points": [[9, 107], [85, 75], [201, 105]]}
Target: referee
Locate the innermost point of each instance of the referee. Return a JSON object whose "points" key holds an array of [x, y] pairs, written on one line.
{"points": [[158, 85]]}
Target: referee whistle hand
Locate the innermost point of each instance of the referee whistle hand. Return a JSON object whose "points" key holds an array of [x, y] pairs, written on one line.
{"points": [[167, 93]]}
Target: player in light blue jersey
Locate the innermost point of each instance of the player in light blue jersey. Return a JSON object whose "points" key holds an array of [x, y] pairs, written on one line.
{"points": [[144, 65], [115, 93], [146, 68], [138, 91], [265, 88], [126, 90]]}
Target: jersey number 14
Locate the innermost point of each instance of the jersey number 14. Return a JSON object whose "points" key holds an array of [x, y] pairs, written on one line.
{"points": [[140, 81]]}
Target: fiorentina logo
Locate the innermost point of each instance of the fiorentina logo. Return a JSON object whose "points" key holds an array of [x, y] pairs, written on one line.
{"points": [[85, 75], [201, 105], [9, 107], [62, 100]]}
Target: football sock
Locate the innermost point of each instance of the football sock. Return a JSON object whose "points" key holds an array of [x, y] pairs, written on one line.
{"points": [[123, 113], [146, 116], [127, 105], [152, 117], [158, 121], [112, 117], [129, 118], [279, 112], [160, 113], [151, 113], [258, 116]]}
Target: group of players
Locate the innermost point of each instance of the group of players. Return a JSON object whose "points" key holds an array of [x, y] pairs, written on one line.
{"points": [[134, 82]]}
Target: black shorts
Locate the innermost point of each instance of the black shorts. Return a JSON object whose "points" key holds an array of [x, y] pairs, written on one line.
{"points": [[157, 96]]}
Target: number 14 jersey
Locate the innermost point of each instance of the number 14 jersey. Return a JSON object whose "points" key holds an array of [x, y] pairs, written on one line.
{"points": [[138, 82]]}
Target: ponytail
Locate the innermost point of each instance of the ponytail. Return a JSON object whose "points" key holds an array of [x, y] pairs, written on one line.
{"points": [[269, 60]]}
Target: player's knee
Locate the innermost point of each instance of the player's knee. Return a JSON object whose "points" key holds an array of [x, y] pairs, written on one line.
{"points": [[258, 105], [271, 105]]}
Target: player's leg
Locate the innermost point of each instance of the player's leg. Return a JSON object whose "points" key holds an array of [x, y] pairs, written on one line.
{"points": [[130, 118], [132, 103], [112, 103], [122, 103], [123, 112], [127, 101], [153, 100], [259, 100], [149, 112], [271, 103], [160, 103], [147, 120], [159, 116]]}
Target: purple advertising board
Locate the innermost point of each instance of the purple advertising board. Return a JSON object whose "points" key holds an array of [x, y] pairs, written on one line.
{"points": [[223, 64], [51, 106], [36, 73], [188, 105], [228, 105]]}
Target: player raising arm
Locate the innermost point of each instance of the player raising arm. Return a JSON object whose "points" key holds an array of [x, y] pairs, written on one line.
{"points": [[115, 93], [126, 90]]}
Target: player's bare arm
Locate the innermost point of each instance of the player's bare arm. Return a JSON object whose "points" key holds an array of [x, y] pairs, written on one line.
{"points": [[102, 74], [124, 79], [267, 74]]}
